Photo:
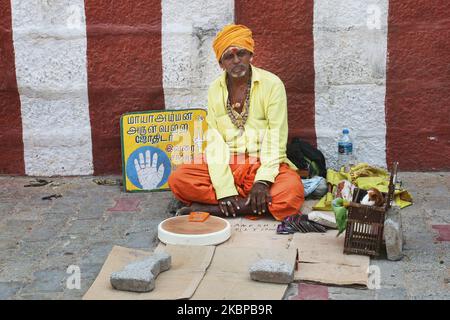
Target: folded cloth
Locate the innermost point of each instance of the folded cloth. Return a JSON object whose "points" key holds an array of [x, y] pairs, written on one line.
{"points": [[312, 184], [323, 218]]}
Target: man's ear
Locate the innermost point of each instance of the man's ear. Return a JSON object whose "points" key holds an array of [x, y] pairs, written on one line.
{"points": [[251, 57], [220, 64]]}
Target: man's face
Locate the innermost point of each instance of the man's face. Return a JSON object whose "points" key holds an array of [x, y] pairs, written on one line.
{"points": [[236, 61]]}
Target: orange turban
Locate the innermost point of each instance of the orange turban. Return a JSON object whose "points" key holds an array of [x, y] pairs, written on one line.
{"points": [[233, 35]]}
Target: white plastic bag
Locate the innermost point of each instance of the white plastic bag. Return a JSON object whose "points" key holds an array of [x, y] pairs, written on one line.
{"points": [[325, 218]]}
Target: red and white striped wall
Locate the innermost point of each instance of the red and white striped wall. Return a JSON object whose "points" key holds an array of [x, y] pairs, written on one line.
{"points": [[70, 68]]}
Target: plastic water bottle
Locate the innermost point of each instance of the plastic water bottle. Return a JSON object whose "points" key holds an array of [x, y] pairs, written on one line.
{"points": [[345, 150]]}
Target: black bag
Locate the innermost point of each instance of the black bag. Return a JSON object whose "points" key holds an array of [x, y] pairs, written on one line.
{"points": [[306, 157]]}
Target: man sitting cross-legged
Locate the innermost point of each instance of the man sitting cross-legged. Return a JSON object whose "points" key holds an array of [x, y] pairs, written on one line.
{"points": [[244, 170]]}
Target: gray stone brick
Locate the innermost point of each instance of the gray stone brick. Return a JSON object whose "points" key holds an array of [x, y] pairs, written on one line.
{"points": [[140, 276], [267, 270]]}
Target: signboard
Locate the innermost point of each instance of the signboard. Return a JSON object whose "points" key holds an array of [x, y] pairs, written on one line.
{"points": [[154, 143]]}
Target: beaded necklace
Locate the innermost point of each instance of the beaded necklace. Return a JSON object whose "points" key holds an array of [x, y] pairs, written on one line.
{"points": [[239, 119]]}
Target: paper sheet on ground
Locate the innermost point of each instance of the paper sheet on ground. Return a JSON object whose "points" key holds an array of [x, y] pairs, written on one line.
{"points": [[257, 234], [260, 225], [321, 259], [179, 282]]}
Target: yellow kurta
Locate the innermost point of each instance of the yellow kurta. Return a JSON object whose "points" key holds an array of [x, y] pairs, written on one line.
{"points": [[265, 135]]}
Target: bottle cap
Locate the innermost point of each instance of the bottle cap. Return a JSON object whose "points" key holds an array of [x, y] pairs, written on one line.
{"points": [[345, 131]]}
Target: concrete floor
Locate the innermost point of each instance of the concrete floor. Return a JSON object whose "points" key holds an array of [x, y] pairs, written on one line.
{"points": [[39, 239]]}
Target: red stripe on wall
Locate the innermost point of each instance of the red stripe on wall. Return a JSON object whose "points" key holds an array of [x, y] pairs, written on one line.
{"points": [[124, 70], [11, 142], [284, 45], [418, 85]]}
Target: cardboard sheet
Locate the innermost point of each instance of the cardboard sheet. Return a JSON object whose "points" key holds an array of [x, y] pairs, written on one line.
{"points": [[258, 240], [321, 259], [179, 282], [222, 272], [228, 276]]}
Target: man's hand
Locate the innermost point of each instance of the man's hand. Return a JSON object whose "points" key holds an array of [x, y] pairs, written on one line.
{"points": [[227, 205], [149, 175], [259, 197]]}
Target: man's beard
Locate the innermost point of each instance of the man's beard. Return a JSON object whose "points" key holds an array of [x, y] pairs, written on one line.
{"points": [[239, 74]]}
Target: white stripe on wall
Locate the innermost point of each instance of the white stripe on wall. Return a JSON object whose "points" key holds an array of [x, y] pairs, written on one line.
{"points": [[50, 52], [189, 64], [350, 40]]}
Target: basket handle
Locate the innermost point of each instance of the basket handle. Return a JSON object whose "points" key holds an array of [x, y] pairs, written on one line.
{"points": [[392, 183]]}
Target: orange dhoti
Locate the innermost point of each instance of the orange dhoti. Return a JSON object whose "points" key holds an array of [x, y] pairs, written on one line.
{"points": [[192, 183]]}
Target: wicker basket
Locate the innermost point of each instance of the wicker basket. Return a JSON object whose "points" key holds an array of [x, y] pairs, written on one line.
{"points": [[364, 232]]}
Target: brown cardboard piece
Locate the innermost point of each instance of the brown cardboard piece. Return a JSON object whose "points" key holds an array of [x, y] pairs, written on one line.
{"points": [[189, 264], [228, 276], [321, 259]]}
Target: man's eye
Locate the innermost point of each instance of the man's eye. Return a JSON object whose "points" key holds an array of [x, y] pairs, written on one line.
{"points": [[241, 53], [228, 56]]}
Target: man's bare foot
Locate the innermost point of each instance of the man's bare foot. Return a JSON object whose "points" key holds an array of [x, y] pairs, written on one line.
{"points": [[212, 209], [215, 210], [184, 211]]}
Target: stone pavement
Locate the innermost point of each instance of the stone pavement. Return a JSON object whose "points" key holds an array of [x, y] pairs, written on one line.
{"points": [[40, 239]]}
